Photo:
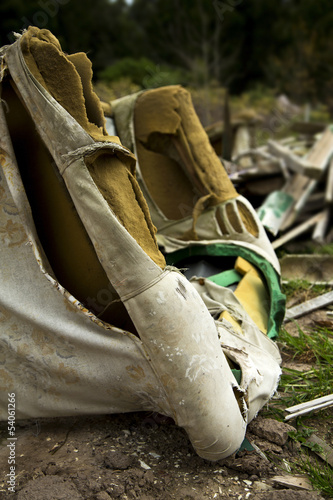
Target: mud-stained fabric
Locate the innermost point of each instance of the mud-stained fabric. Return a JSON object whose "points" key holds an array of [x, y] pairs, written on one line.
{"points": [[59, 359], [56, 356], [61, 231], [175, 333], [64, 77], [257, 355]]}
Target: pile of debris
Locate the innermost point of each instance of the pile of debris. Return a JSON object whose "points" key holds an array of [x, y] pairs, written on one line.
{"points": [[293, 179], [288, 181]]}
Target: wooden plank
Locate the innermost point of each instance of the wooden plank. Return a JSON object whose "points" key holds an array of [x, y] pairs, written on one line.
{"points": [[227, 137], [309, 306], [281, 208], [308, 128], [315, 268], [329, 184], [293, 482], [321, 153], [305, 411], [295, 163], [327, 453], [275, 209], [300, 187], [316, 160], [241, 144], [310, 404], [302, 228], [320, 229]]}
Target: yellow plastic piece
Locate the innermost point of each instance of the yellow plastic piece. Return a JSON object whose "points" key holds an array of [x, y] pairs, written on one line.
{"points": [[227, 316], [243, 267], [252, 294]]}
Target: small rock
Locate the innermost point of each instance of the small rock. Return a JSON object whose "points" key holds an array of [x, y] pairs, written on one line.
{"points": [[149, 477], [116, 490], [250, 464], [50, 487], [117, 460], [52, 469], [132, 495], [267, 446], [260, 486], [94, 486], [144, 465], [102, 495], [272, 430], [187, 492]]}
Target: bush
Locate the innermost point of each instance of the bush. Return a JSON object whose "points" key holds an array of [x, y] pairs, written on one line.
{"points": [[143, 72]]}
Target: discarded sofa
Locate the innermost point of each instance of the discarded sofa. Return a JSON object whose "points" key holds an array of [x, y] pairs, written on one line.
{"points": [[92, 318]]}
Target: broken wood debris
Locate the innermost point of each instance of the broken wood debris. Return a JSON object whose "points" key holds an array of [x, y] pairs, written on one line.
{"points": [[325, 451], [293, 482], [288, 181], [313, 405], [298, 230], [329, 184], [309, 306], [314, 162]]}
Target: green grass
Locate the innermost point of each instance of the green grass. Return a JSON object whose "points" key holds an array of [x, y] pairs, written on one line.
{"points": [[296, 287], [316, 349], [325, 249], [305, 463], [308, 247], [301, 436], [319, 473]]}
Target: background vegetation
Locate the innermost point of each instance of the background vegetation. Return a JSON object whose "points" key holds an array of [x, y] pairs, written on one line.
{"points": [[283, 45]]}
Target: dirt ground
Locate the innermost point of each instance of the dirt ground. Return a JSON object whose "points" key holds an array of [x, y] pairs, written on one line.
{"points": [[141, 456]]}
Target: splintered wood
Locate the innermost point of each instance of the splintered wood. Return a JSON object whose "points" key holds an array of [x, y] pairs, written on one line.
{"points": [[297, 176]]}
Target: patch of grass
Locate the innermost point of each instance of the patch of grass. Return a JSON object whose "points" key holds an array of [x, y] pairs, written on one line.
{"points": [[319, 473], [312, 248], [296, 287], [326, 249], [297, 387], [306, 248], [318, 343], [301, 436], [305, 463], [315, 348]]}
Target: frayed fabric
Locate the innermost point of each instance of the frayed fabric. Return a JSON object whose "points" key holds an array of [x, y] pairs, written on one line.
{"points": [[74, 248]]}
